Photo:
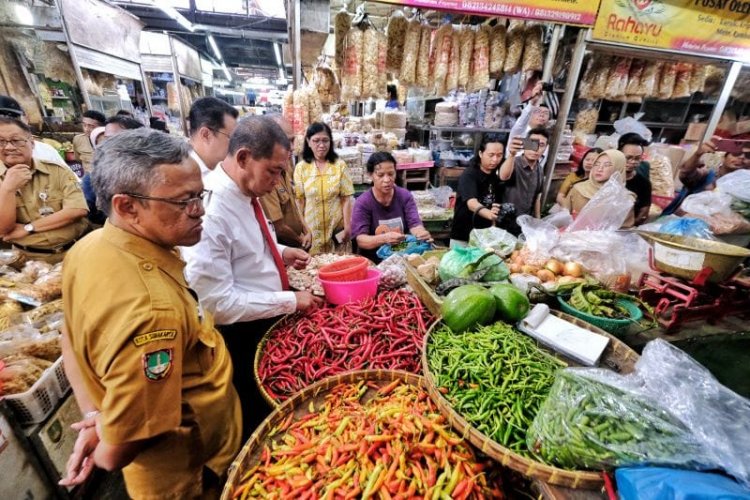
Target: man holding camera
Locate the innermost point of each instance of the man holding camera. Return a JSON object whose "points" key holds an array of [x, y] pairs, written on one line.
{"points": [[523, 173]]}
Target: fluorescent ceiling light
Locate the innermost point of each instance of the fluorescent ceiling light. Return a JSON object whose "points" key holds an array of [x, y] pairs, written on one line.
{"points": [[281, 73], [172, 12], [24, 15], [214, 47], [226, 71], [278, 54]]}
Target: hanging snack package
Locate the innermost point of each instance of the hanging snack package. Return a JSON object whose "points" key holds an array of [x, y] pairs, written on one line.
{"points": [[408, 74], [423, 58], [370, 52], [442, 51], [351, 74], [617, 83], [382, 66], [586, 119], [514, 46], [698, 78], [480, 73], [325, 81], [301, 111], [341, 25], [682, 80], [497, 48], [451, 81], [668, 80], [587, 82], [287, 109], [649, 86], [397, 26], [634, 77], [315, 107], [533, 48], [466, 54], [603, 66]]}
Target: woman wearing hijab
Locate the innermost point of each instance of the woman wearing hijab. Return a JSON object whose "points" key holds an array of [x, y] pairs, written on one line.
{"points": [[606, 164]]}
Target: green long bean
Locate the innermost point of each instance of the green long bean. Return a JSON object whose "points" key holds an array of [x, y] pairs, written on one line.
{"points": [[496, 378]]}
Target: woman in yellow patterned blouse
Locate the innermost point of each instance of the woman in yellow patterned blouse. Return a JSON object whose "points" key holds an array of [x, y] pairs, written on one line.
{"points": [[324, 190]]}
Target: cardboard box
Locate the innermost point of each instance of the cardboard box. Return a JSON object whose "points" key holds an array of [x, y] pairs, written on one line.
{"points": [[696, 131]]}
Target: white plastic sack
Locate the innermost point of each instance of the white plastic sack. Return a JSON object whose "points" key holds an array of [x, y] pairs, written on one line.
{"points": [[630, 124], [708, 203], [607, 210], [736, 184]]}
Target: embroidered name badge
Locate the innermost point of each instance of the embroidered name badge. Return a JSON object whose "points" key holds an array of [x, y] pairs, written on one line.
{"points": [[157, 365], [145, 338]]}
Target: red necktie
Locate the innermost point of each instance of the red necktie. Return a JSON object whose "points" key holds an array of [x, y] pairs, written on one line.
{"points": [[271, 244]]}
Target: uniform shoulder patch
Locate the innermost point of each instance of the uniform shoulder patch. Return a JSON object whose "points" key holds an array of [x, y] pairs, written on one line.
{"points": [[154, 336], [157, 365]]}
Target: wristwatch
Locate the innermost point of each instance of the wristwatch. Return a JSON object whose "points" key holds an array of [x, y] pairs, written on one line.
{"points": [[29, 228]]}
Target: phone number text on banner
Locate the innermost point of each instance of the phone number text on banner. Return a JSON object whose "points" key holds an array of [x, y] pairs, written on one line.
{"points": [[707, 27], [577, 12]]}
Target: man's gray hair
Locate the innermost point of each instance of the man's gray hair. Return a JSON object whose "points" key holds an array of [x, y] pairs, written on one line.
{"points": [[259, 134], [126, 163]]}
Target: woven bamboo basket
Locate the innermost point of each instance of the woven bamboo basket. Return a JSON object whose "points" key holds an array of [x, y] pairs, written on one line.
{"points": [[617, 357], [256, 363], [297, 405]]}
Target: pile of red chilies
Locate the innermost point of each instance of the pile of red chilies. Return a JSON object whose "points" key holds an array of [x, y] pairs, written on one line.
{"points": [[385, 332]]}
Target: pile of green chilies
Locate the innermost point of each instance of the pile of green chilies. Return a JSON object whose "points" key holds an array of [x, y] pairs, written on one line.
{"points": [[495, 378]]}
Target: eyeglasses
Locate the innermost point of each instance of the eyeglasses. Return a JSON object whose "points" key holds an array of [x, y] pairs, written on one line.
{"points": [[17, 143], [320, 141], [222, 133], [634, 158], [191, 206]]}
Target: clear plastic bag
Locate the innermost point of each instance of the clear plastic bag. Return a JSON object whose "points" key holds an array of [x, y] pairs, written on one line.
{"points": [[540, 238], [711, 420], [499, 240], [607, 210], [630, 124], [707, 203], [736, 184], [393, 272], [602, 254], [441, 195]]}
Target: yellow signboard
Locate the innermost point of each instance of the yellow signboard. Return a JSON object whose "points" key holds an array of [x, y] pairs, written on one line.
{"points": [[578, 12], [709, 27]]}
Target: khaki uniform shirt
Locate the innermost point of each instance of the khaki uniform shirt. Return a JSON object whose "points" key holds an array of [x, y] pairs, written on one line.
{"points": [[151, 361], [280, 205], [84, 150], [60, 189]]}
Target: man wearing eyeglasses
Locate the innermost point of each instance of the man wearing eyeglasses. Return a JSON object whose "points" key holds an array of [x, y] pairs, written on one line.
{"points": [[211, 123], [238, 268], [42, 208], [149, 370], [636, 174], [41, 151]]}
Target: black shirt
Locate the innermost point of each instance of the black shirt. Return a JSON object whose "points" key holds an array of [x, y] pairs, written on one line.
{"points": [[474, 183], [641, 187]]}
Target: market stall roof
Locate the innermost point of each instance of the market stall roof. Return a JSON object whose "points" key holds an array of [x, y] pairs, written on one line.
{"points": [[244, 33]]}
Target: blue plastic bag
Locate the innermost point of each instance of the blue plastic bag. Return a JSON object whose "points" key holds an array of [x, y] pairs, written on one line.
{"points": [[687, 226], [657, 483], [413, 245]]}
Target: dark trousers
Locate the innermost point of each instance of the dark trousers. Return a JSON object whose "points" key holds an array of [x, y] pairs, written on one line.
{"points": [[242, 341]]}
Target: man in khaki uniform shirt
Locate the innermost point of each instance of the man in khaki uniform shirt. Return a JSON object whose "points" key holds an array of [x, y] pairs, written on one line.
{"points": [[145, 361], [280, 206], [82, 146], [42, 208]]}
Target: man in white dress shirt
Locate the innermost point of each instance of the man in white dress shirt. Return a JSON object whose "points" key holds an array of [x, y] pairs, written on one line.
{"points": [[237, 267], [211, 124]]}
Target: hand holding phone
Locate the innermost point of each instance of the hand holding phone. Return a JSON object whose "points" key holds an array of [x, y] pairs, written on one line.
{"points": [[531, 144]]}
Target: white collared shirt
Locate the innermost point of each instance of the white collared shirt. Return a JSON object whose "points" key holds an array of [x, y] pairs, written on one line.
{"points": [[201, 164], [232, 268], [44, 152]]}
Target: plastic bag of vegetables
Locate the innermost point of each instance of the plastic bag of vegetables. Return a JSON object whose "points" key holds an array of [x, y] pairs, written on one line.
{"points": [[410, 245], [393, 271], [461, 263], [670, 410], [499, 240]]}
